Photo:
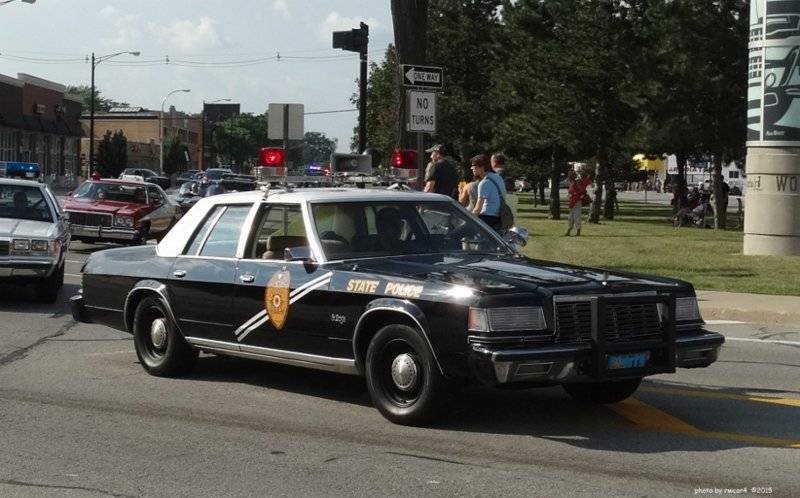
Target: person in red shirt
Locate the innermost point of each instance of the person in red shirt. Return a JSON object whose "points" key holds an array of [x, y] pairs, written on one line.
{"points": [[577, 192], [96, 175]]}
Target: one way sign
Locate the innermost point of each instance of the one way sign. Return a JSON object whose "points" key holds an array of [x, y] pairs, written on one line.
{"points": [[422, 76]]}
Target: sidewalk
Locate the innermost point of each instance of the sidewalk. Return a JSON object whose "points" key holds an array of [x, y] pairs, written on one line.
{"points": [[755, 308]]}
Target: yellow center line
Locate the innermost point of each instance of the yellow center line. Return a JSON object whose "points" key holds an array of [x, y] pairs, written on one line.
{"points": [[696, 393], [647, 417]]}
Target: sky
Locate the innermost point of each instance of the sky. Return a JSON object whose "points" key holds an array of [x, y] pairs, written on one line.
{"points": [[254, 52]]}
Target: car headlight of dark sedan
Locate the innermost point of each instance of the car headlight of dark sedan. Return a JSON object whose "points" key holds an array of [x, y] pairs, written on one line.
{"points": [[506, 319], [687, 310]]}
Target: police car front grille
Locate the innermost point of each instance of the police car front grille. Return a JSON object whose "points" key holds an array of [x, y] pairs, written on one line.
{"points": [[89, 219], [623, 322], [4, 244]]}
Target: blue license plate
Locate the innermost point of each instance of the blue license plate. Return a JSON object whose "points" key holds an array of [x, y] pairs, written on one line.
{"points": [[628, 360]]}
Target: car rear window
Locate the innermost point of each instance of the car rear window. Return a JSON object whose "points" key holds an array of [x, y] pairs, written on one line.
{"points": [[218, 236]]}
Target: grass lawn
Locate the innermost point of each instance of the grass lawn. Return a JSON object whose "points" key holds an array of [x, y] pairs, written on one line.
{"points": [[641, 239]]}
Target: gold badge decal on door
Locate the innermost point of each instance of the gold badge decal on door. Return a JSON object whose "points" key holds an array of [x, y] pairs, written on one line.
{"points": [[276, 298]]}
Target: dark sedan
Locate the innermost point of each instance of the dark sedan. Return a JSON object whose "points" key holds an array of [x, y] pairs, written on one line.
{"points": [[405, 288]]}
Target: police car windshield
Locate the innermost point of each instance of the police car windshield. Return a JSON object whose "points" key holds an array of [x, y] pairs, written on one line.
{"points": [[370, 229], [24, 203]]}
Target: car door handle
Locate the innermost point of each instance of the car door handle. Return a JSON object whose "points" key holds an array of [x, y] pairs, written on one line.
{"points": [[179, 273], [247, 278]]}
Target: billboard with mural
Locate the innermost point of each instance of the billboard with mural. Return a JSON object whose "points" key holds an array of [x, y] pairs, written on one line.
{"points": [[773, 107]]}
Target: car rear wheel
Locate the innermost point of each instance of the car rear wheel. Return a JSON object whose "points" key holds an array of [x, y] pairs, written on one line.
{"points": [[611, 391], [402, 376], [161, 349]]}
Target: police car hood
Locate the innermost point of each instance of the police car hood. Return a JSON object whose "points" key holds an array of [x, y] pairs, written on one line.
{"points": [[493, 273]]}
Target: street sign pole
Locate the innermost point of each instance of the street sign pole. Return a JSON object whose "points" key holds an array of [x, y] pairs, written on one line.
{"points": [[422, 81], [420, 160]]}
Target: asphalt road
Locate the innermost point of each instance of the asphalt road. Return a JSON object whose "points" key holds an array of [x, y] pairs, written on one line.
{"points": [[79, 417]]}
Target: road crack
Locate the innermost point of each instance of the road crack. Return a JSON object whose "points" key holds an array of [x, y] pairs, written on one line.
{"points": [[13, 482], [21, 352]]}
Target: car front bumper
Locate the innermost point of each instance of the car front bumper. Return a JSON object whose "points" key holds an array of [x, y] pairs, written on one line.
{"points": [[78, 309], [557, 363], [26, 267], [104, 233]]}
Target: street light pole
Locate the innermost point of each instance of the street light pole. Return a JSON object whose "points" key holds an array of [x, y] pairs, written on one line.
{"points": [[161, 130], [203, 130], [95, 62]]}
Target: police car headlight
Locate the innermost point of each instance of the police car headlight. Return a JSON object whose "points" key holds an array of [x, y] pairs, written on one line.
{"points": [[21, 245], [506, 319], [40, 246], [123, 221], [687, 310]]}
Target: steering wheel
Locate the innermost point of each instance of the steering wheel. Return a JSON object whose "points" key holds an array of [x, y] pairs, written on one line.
{"points": [[331, 235]]}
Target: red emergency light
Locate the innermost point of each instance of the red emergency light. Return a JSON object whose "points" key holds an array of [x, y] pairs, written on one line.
{"points": [[272, 157], [404, 159]]}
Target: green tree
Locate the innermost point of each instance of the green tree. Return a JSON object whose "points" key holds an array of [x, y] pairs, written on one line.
{"points": [[101, 103], [317, 147], [112, 154], [383, 93], [174, 154], [239, 138], [463, 40]]}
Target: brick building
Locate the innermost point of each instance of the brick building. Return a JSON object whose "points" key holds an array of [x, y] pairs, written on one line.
{"points": [[39, 124], [140, 127]]}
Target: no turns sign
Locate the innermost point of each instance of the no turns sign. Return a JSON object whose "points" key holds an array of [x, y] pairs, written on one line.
{"points": [[422, 111]]}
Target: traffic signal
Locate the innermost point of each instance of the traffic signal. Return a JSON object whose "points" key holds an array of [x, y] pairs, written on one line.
{"points": [[272, 157], [354, 40]]}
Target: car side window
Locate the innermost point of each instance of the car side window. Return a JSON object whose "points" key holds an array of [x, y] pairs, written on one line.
{"points": [[280, 227], [218, 235]]}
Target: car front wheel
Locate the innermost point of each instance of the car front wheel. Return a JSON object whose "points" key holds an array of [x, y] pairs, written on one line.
{"points": [[611, 391], [161, 349], [403, 379], [47, 289]]}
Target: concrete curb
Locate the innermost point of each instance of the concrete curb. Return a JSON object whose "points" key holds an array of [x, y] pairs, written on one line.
{"points": [[754, 308]]}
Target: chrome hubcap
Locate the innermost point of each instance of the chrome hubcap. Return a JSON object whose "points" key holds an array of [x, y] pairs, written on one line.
{"points": [[158, 333], [405, 372]]}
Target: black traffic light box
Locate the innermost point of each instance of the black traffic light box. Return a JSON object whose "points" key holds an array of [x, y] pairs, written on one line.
{"points": [[355, 40]]}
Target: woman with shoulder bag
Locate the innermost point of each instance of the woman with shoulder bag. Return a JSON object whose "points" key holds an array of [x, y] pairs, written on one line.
{"points": [[578, 197]]}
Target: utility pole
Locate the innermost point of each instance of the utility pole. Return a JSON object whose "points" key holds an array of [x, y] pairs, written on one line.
{"points": [[95, 62]]}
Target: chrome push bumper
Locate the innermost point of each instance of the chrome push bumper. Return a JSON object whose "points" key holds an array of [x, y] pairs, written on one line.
{"points": [[580, 362], [104, 233]]}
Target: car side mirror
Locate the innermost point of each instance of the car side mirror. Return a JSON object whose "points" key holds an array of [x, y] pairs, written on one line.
{"points": [[69, 194], [302, 253], [516, 235]]}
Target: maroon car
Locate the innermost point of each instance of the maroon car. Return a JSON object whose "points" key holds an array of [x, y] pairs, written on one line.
{"points": [[123, 211]]}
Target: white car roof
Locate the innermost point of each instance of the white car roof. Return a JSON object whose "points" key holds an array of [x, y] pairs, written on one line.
{"points": [[299, 196], [22, 183]]}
